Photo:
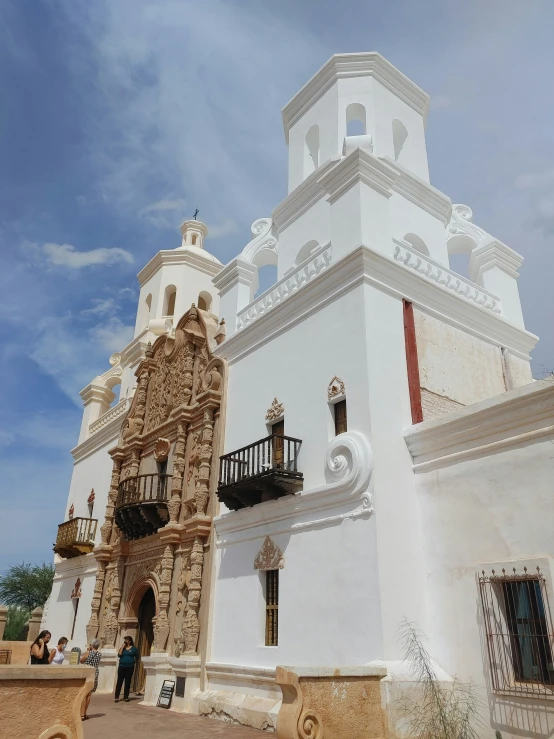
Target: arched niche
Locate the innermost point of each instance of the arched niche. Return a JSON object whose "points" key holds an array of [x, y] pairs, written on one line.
{"points": [[311, 150], [113, 383], [356, 124], [399, 137], [306, 251], [417, 243], [169, 301], [204, 300]]}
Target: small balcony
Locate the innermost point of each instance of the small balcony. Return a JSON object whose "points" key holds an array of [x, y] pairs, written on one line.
{"points": [[141, 507], [265, 470], [75, 537]]}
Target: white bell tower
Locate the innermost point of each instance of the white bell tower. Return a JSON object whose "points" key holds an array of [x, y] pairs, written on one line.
{"points": [[361, 97]]}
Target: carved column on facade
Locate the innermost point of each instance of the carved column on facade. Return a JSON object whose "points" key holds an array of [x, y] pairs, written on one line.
{"points": [[174, 504], [94, 622], [161, 627], [111, 625], [106, 528], [202, 491], [191, 626], [188, 370]]}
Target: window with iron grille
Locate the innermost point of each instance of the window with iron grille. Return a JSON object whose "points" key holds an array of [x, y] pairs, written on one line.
{"points": [[519, 631], [271, 608], [339, 411]]}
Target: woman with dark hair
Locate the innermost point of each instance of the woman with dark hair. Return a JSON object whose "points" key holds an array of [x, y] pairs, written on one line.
{"points": [[92, 658], [40, 654], [128, 657]]}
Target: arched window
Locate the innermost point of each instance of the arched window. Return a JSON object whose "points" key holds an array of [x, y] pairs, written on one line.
{"points": [[169, 300], [204, 301], [147, 310], [194, 239], [417, 243], [306, 251], [114, 384], [311, 150], [399, 136], [355, 120]]}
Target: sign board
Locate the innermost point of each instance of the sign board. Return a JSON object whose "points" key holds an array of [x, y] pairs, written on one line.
{"points": [[75, 656], [180, 687], [166, 693]]}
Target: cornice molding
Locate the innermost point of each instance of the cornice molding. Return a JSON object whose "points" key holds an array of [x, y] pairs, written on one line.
{"points": [[83, 565], [348, 470], [178, 256], [419, 192], [511, 419], [359, 166], [342, 66], [237, 271], [364, 265], [493, 253], [302, 197], [107, 434]]}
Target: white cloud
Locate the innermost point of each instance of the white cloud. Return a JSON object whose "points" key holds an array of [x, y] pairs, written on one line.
{"points": [[532, 180], [162, 205], [101, 307], [113, 335], [65, 255], [164, 214], [226, 227]]}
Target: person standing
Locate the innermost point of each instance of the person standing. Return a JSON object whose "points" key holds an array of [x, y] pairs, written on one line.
{"points": [[91, 657], [40, 654], [128, 657], [56, 655]]}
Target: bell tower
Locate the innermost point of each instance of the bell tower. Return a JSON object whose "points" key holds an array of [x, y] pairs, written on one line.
{"points": [[356, 100]]}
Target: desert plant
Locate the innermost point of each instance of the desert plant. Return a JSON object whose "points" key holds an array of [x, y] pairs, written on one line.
{"points": [[440, 710], [16, 625]]}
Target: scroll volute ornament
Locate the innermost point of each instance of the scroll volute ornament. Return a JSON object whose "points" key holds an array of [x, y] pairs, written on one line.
{"points": [[275, 411], [162, 449]]}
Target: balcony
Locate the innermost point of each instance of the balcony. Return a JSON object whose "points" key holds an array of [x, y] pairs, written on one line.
{"points": [[265, 470], [141, 507], [75, 537]]}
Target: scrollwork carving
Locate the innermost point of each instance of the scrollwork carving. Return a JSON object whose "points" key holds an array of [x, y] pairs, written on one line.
{"points": [[270, 557], [275, 411]]}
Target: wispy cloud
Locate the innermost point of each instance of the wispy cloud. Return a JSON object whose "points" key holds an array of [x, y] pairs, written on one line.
{"points": [[66, 255], [226, 227]]}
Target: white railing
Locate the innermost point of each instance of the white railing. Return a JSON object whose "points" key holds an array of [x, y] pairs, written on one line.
{"points": [[443, 276], [108, 416], [290, 284]]}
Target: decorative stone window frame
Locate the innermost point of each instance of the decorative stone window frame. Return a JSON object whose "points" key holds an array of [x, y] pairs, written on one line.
{"points": [[275, 412], [270, 557], [336, 390]]}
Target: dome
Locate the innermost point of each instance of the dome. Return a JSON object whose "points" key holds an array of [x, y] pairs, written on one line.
{"points": [[200, 252], [193, 233]]}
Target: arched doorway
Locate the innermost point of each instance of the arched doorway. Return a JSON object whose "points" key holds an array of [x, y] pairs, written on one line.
{"points": [[145, 636]]}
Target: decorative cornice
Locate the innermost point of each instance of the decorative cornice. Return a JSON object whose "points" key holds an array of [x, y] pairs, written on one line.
{"points": [[94, 392], [493, 253], [364, 265], [82, 565], [342, 66], [516, 417], [359, 166], [302, 198], [348, 470], [106, 435], [419, 192], [238, 271], [179, 256]]}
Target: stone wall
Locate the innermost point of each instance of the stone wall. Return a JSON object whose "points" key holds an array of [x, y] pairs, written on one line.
{"points": [[43, 701], [20, 651]]}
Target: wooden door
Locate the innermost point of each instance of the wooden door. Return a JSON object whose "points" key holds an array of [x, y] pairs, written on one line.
{"points": [[147, 611], [278, 431]]}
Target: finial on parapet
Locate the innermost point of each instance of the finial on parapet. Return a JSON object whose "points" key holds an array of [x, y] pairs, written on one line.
{"points": [[149, 353], [220, 335]]}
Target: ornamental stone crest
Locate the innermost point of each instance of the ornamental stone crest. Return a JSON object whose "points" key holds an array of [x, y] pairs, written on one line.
{"points": [[336, 388], [161, 449], [270, 557], [275, 411], [76, 593]]}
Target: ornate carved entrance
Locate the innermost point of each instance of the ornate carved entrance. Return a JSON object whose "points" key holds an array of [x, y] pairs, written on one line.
{"points": [[145, 636]]}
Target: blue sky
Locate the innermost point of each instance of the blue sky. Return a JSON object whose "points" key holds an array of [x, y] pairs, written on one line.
{"points": [[119, 117]]}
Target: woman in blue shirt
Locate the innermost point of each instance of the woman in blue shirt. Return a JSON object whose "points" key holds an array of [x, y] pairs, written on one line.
{"points": [[128, 657]]}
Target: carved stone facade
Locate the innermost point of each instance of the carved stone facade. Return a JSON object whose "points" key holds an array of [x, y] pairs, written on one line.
{"points": [[270, 557], [275, 411], [163, 460]]}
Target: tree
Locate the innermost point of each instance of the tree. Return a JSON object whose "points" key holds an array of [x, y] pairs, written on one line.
{"points": [[16, 625], [26, 586]]}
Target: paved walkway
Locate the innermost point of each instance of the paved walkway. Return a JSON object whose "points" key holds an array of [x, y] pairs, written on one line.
{"points": [[109, 720]]}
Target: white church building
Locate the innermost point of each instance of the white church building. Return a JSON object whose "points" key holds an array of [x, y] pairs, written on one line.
{"points": [[385, 453]]}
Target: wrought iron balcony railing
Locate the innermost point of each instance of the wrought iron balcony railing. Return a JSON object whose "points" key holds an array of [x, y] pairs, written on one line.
{"points": [[76, 537], [265, 470], [141, 506]]}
